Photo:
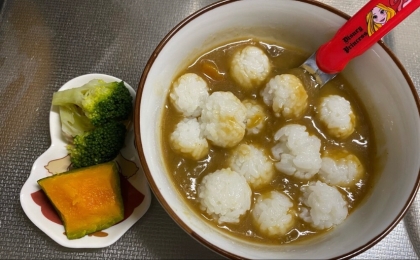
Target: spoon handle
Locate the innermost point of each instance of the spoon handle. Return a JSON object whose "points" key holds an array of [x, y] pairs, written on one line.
{"points": [[361, 31]]}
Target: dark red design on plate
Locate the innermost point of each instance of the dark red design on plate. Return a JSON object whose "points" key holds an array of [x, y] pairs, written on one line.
{"points": [[132, 198], [47, 208]]}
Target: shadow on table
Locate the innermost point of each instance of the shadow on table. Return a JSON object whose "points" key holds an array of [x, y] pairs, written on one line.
{"points": [[158, 236]]}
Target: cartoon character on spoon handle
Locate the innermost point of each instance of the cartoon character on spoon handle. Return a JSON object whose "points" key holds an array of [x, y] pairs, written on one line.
{"points": [[358, 34]]}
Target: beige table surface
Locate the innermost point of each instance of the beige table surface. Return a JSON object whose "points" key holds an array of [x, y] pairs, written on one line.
{"points": [[45, 43]]}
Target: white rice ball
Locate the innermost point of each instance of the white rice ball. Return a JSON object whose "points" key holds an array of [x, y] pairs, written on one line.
{"points": [[323, 206], [223, 119], [286, 95], [188, 94], [188, 140], [336, 114], [342, 168], [250, 66], [273, 214], [252, 163], [297, 151], [255, 116], [225, 195]]}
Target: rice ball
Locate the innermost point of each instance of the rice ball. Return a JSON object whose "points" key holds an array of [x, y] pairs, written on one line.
{"points": [[323, 206], [341, 168], [188, 94], [297, 151], [273, 214], [286, 95], [336, 114], [188, 140], [224, 195], [223, 119], [250, 67], [252, 163], [255, 116]]}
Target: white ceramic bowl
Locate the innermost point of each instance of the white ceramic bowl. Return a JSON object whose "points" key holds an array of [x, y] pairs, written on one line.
{"points": [[377, 76]]}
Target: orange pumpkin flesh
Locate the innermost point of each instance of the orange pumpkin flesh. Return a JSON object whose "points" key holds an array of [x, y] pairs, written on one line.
{"points": [[87, 199]]}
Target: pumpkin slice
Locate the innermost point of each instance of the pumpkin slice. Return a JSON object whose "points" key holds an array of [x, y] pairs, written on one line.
{"points": [[86, 199]]}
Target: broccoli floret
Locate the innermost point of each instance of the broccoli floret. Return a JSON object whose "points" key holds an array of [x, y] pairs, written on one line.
{"points": [[99, 101], [102, 144], [93, 117]]}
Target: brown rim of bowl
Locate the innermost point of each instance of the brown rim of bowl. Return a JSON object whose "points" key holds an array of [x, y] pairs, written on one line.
{"points": [[139, 147]]}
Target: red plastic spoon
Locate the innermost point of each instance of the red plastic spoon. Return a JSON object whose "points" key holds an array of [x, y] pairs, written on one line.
{"points": [[357, 35]]}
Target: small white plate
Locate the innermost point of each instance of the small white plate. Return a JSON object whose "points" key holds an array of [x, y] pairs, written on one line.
{"points": [[135, 189]]}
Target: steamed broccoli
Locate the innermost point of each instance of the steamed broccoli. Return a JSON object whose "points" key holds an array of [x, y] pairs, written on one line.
{"points": [[94, 118], [102, 144], [92, 104]]}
